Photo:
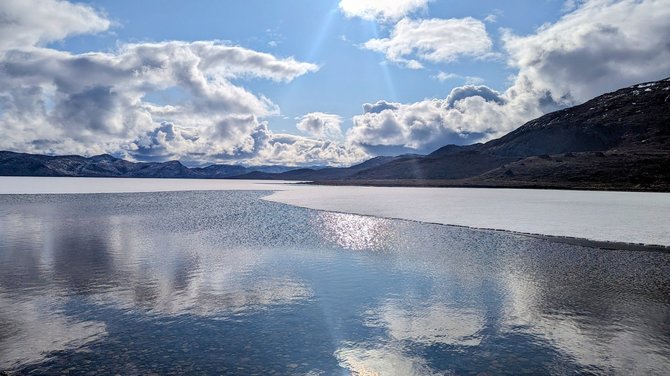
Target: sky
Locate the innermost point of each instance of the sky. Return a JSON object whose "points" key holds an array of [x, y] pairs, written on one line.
{"points": [[304, 82]]}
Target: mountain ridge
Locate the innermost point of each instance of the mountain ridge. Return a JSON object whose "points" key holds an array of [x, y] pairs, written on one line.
{"points": [[618, 140], [105, 165]]}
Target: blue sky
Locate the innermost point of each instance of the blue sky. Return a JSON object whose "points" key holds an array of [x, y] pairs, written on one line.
{"points": [[315, 31], [307, 82]]}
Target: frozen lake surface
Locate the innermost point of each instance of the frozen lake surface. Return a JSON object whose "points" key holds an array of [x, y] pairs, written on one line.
{"points": [[629, 217]]}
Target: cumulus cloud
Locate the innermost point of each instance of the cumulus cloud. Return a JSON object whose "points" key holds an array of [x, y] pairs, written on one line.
{"points": [[291, 150], [256, 144], [59, 102], [38, 22], [433, 40], [101, 96], [381, 10], [379, 107], [469, 114], [100, 102], [321, 125], [164, 142], [463, 92], [600, 46]]}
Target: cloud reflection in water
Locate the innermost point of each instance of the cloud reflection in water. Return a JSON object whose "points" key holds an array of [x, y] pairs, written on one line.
{"points": [[220, 280], [406, 326]]}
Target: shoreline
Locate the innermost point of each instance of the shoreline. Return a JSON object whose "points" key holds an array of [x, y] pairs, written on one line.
{"points": [[413, 183], [441, 183], [584, 242], [293, 193]]}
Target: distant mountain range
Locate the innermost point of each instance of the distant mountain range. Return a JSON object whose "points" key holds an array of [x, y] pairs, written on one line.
{"points": [[105, 165], [619, 140]]}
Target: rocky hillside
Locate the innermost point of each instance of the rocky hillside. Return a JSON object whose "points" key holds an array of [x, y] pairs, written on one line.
{"points": [[637, 117], [619, 140]]}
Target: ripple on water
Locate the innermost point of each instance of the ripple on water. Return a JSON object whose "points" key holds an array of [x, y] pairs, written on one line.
{"points": [[224, 282]]}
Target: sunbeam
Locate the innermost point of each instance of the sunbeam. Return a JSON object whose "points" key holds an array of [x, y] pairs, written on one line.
{"points": [[314, 49], [388, 80]]}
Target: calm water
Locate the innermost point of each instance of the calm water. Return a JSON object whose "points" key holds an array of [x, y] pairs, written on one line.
{"points": [[224, 282]]}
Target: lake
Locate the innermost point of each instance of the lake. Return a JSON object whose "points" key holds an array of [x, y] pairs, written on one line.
{"points": [[618, 217], [228, 282]]}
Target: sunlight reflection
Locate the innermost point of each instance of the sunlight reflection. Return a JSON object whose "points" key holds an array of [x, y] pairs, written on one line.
{"points": [[279, 285], [354, 232]]}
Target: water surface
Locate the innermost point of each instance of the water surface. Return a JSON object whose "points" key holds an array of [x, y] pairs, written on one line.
{"points": [[225, 282], [624, 217]]}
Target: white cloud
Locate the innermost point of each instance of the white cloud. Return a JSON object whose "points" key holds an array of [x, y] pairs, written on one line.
{"points": [[569, 5], [433, 40], [239, 62], [291, 150], [97, 102], [627, 351], [469, 80], [469, 114], [37, 22], [58, 102], [429, 323], [255, 145], [491, 18], [601, 46], [443, 76], [321, 125], [40, 327], [463, 92], [473, 80], [381, 10]]}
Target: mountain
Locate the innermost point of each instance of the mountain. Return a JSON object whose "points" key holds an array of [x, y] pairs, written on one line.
{"points": [[327, 173], [632, 118], [105, 165], [619, 140]]}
